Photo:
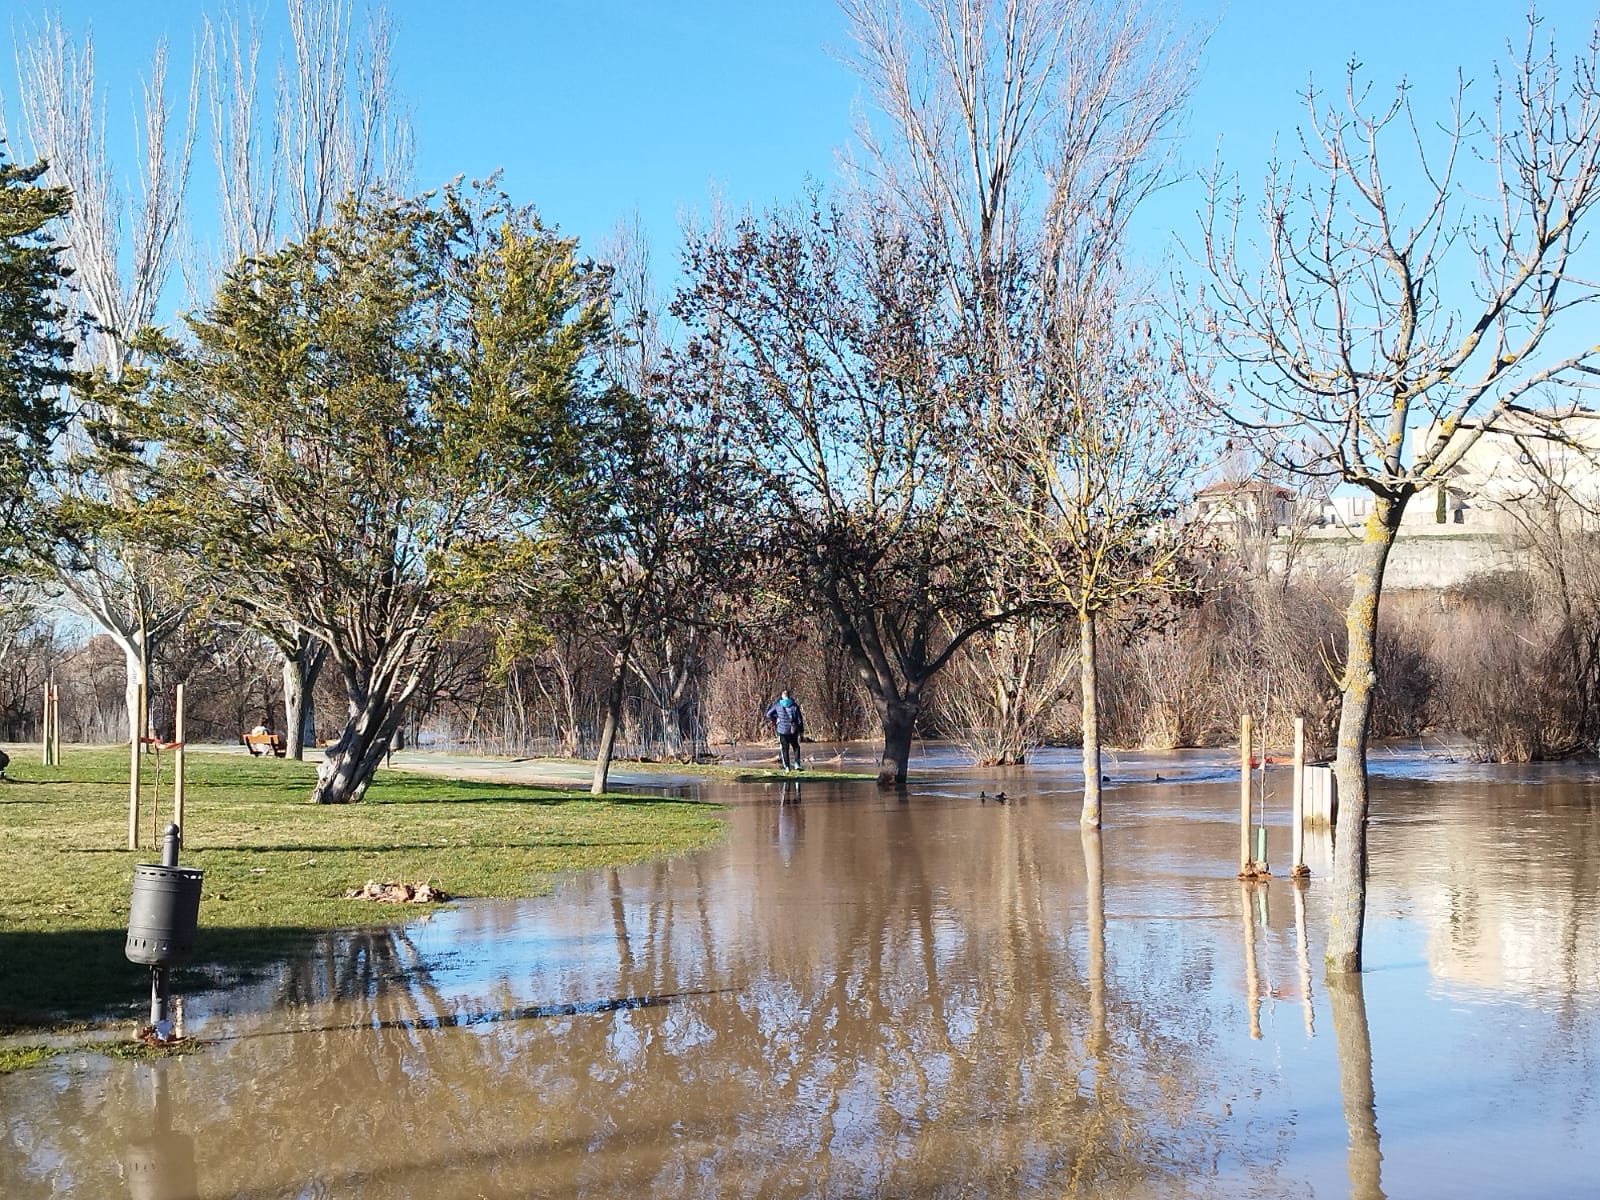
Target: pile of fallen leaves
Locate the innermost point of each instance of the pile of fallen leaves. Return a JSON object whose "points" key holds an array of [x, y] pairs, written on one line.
{"points": [[397, 893]]}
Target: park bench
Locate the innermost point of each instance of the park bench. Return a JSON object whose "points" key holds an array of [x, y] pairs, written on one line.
{"points": [[260, 744]]}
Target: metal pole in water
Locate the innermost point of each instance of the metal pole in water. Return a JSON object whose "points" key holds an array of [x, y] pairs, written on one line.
{"points": [[160, 991], [177, 764]]}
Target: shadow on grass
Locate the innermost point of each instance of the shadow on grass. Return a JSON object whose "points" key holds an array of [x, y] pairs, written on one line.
{"points": [[80, 976]]}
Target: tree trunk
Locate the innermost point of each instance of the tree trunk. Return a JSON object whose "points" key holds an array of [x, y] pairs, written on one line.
{"points": [[138, 676], [1348, 902], [353, 760], [899, 717], [300, 670], [378, 696], [1090, 818], [613, 718]]}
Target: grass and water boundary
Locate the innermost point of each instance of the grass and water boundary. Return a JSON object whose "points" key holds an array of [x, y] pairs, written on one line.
{"points": [[276, 867]]}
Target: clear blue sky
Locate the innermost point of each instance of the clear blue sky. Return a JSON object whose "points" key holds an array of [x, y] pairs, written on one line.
{"points": [[596, 109]]}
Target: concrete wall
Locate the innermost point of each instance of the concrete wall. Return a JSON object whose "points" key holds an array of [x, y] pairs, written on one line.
{"points": [[1421, 560]]}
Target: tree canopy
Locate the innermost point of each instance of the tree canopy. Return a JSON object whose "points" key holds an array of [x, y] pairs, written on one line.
{"points": [[359, 415], [35, 343]]}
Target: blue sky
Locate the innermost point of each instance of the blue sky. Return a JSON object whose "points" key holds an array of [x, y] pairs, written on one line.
{"points": [[595, 110]]}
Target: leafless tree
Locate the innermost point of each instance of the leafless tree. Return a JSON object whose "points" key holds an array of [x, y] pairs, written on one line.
{"points": [[328, 124], [1004, 694], [1097, 458], [1376, 329], [1023, 135], [839, 375], [121, 250]]}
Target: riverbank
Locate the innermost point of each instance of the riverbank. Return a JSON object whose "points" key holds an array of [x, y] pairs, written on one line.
{"points": [[276, 868]]}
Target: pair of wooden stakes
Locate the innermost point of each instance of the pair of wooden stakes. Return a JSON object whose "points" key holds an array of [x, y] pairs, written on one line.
{"points": [[1253, 851]]}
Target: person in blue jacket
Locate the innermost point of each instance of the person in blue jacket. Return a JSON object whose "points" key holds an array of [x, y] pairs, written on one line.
{"points": [[789, 723]]}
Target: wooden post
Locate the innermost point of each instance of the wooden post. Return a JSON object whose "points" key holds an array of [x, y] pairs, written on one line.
{"points": [[44, 726], [1246, 863], [177, 762], [1297, 820], [55, 725]]}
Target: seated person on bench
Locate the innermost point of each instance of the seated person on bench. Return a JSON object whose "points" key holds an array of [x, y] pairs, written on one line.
{"points": [[261, 741]]}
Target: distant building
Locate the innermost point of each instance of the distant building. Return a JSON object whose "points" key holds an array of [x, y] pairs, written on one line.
{"points": [[1252, 505], [1526, 457]]}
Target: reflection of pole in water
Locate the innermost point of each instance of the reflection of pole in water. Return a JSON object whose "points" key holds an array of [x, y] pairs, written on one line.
{"points": [[1095, 893], [1252, 983], [1303, 955], [1348, 1003], [160, 1166]]}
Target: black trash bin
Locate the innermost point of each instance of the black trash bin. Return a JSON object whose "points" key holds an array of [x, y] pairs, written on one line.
{"points": [[164, 914]]}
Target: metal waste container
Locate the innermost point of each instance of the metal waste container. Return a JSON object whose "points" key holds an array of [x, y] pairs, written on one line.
{"points": [[164, 914]]}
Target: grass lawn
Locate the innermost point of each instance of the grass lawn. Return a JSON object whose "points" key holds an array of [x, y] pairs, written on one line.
{"points": [[276, 866]]}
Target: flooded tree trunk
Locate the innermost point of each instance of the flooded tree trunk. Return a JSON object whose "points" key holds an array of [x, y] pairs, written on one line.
{"points": [[301, 666], [613, 718], [1348, 903], [899, 717], [1088, 669]]}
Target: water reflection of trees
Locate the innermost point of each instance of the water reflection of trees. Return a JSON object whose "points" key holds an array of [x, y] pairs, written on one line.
{"points": [[944, 1027]]}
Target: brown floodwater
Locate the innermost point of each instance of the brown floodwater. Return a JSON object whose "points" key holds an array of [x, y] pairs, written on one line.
{"points": [[862, 996]]}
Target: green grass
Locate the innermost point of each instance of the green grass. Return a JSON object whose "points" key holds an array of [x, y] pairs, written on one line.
{"points": [[276, 866], [19, 1058]]}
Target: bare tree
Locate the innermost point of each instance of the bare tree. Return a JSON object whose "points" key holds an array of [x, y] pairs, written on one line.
{"points": [[1096, 459], [1023, 136], [1005, 692], [839, 378], [1360, 316], [330, 125], [1006, 119], [121, 251]]}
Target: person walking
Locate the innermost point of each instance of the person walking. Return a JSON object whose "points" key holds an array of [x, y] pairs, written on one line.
{"points": [[788, 722]]}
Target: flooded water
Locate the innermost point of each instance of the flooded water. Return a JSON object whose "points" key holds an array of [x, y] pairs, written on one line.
{"points": [[858, 996]]}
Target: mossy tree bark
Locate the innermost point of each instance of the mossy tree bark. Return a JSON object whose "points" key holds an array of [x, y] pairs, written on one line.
{"points": [[1348, 904]]}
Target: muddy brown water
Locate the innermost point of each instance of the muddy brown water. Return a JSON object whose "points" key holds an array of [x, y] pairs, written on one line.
{"points": [[858, 996]]}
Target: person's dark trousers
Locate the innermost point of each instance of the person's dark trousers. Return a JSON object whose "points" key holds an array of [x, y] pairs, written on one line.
{"points": [[789, 743]]}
